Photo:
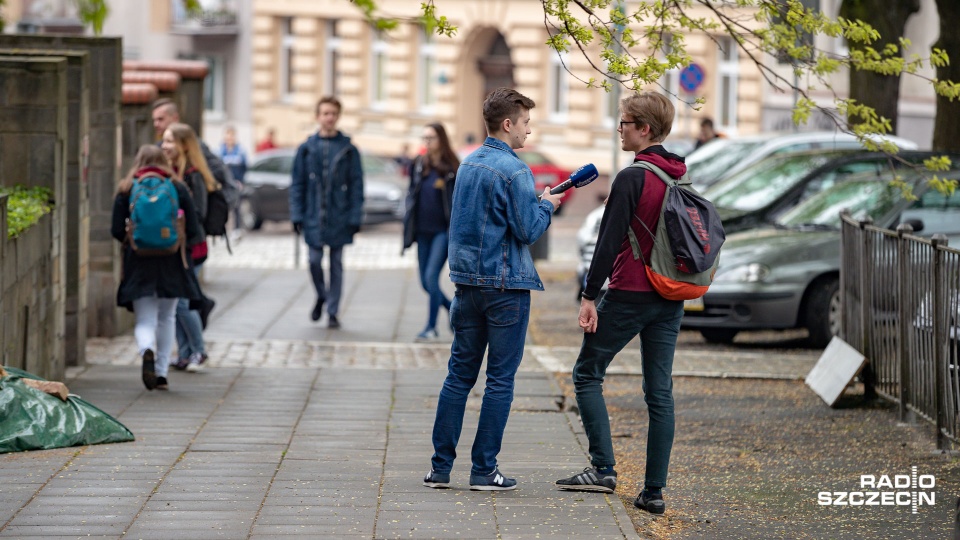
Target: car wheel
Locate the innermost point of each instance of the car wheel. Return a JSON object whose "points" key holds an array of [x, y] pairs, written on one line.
{"points": [[718, 335], [249, 220], [823, 312]]}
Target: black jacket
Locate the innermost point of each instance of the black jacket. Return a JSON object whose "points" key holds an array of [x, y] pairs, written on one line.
{"points": [[413, 198], [165, 276]]}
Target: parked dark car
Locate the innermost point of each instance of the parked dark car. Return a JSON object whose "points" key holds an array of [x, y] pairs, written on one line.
{"points": [[762, 192], [786, 275], [266, 189], [724, 157]]}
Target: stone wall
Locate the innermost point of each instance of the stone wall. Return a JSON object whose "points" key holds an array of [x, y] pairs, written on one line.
{"points": [[33, 136], [102, 170], [77, 233]]}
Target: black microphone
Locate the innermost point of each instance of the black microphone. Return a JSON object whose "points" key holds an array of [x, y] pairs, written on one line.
{"points": [[579, 178]]}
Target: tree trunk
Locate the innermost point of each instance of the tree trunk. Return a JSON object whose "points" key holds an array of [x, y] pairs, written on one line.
{"points": [[889, 17], [946, 124]]}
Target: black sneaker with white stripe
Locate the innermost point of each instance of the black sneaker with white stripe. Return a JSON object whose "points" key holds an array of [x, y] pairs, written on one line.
{"points": [[589, 480], [494, 481]]}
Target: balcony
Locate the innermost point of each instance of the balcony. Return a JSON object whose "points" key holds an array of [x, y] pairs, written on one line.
{"points": [[49, 16], [214, 18]]}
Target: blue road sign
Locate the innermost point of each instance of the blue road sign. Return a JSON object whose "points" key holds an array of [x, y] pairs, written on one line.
{"points": [[691, 77]]}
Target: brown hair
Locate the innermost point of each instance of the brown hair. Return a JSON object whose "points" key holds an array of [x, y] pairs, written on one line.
{"points": [[170, 105], [448, 161], [149, 155], [650, 109], [190, 154], [332, 101], [504, 103]]}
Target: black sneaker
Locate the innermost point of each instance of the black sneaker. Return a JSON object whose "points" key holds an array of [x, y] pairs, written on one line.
{"points": [[317, 310], [494, 481], [147, 370], [162, 383], [589, 480], [436, 480], [333, 322], [651, 503], [205, 309]]}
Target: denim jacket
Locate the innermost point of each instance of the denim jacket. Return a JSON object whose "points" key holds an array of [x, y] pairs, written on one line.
{"points": [[496, 215]]}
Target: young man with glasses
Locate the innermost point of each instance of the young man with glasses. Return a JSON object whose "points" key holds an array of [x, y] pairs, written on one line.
{"points": [[495, 217], [630, 306]]}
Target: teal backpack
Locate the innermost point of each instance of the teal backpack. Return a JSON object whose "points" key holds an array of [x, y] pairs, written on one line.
{"points": [[156, 225]]}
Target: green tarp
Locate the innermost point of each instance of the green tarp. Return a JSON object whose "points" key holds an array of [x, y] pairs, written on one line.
{"points": [[33, 420]]}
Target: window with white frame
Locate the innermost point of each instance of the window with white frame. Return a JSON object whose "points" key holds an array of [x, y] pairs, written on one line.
{"points": [[427, 77], [610, 105], [671, 78], [558, 90], [378, 71], [728, 73], [215, 83], [287, 40], [331, 58]]}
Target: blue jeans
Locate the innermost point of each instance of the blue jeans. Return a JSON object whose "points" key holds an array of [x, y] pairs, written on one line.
{"points": [[480, 317], [658, 324], [432, 254], [189, 326], [329, 295]]}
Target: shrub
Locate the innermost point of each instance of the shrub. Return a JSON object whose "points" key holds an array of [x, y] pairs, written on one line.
{"points": [[25, 206]]}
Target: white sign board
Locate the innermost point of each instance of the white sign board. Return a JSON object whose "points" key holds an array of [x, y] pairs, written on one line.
{"points": [[835, 370]]}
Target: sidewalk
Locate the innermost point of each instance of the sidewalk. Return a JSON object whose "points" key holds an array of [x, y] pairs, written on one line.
{"points": [[297, 430]]}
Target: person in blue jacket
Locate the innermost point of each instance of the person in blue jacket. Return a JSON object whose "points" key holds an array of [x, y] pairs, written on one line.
{"points": [[326, 203], [496, 216]]}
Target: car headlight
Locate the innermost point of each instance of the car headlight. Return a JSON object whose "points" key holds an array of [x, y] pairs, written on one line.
{"points": [[747, 273]]}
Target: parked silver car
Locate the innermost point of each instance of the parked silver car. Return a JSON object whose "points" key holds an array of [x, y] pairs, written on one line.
{"points": [[787, 275], [266, 187]]}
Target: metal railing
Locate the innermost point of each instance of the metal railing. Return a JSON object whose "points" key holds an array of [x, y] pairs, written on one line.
{"points": [[901, 310]]}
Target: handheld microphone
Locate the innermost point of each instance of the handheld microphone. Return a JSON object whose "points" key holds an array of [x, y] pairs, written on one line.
{"points": [[579, 178]]}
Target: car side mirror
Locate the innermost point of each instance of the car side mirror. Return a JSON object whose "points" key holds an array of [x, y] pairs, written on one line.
{"points": [[917, 224]]}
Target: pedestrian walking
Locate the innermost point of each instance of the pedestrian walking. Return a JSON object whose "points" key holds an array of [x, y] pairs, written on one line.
{"points": [[326, 203], [427, 219], [495, 217], [152, 283], [630, 306], [182, 148], [233, 155]]}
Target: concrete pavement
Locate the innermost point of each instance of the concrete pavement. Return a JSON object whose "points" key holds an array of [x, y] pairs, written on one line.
{"points": [[297, 430]]}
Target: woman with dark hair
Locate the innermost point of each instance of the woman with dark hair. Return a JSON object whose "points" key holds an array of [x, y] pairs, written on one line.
{"points": [[152, 284], [429, 200]]}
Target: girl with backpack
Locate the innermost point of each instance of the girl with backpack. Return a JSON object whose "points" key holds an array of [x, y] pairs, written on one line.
{"points": [[182, 148], [154, 279], [427, 219]]}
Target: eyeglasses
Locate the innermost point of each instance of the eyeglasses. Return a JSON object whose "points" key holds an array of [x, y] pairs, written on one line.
{"points": [[622, 122]]}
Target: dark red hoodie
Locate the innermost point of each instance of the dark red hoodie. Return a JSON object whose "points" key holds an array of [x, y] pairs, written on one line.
{"points": [[637, 192]]}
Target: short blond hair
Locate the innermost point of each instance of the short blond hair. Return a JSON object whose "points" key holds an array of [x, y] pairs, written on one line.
{"points": [[650, 109]]}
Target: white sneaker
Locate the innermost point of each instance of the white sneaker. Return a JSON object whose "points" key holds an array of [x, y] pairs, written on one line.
{"points": [[194, 368], [196, 363]]}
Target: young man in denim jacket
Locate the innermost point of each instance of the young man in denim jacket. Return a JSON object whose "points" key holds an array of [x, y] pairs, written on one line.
{"points": [[496, 216]]}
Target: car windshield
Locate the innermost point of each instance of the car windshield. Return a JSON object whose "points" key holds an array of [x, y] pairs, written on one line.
{"points": [[710, 161], [531, 157], [373, 164], [764, 182], [862, 198]]}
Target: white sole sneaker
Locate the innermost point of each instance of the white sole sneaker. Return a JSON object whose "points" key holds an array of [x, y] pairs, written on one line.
{"points": [[195, 368]]}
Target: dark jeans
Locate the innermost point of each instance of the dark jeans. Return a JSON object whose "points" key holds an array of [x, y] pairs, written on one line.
{"points": [[432, 254], [330, 295], [658, 324], [481, 317]]}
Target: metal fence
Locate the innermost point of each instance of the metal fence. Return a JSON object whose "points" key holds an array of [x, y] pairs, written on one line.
{"points": [[901, 309]]}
